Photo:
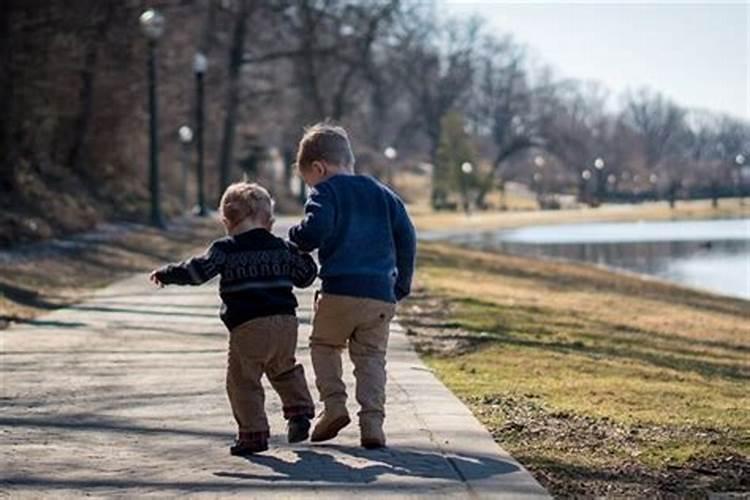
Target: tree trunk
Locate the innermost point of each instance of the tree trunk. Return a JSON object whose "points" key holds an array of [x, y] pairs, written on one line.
{"points": [[672, 194], [86, 95], [236, 50], [485, 185], [7, 161], [714, 194]]}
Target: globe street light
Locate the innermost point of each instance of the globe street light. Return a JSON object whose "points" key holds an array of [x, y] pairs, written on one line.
{"points": [[390, 154], [152, 25], [583, 185], [740, 161], [537, 181], [466, 168], [600, 186], [200, 64], [185, 134]]}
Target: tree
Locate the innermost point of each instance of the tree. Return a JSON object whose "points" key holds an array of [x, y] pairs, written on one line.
{"points": [[501, 109], [454, 149], [436, 64], [659, 123], [234, 65]]}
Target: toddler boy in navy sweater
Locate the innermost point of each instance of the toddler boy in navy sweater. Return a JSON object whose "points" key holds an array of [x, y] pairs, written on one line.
{"points": [[366, 246], [258, 307]]}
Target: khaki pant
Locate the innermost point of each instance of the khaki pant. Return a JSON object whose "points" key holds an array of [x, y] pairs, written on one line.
{"points": [[362, 325], [265, 345]]}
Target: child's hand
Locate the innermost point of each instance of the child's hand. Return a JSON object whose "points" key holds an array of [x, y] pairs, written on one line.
{"points": [[153, 278]]}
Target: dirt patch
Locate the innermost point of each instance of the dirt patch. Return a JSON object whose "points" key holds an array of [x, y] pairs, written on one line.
{"points": [[527, 428], [428, 324]]}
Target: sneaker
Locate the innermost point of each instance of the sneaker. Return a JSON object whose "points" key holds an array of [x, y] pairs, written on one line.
{"points": [[298, 429], [247, 445], [329, 424]]}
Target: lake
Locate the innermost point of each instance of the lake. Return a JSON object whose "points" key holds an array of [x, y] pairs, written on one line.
{"points": [[708, 254]]}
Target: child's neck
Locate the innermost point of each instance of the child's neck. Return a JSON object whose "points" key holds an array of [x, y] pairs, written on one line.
{"points": [[246, 225], [333, 172]]}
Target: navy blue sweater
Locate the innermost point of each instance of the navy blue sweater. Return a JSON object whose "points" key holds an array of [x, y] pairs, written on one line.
{"points": [[366, 242], [257, 273]]}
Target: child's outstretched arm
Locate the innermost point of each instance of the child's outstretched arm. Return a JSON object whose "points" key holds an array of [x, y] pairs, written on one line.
{"points": [[193, 271], [318, 222], [304, 268], [405, 239]]}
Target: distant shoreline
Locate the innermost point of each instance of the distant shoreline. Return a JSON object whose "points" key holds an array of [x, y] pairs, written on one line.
{"points": [[429, 222]]}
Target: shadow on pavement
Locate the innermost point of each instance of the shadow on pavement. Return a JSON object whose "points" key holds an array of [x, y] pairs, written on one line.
{"points": [[98, 423], [314, 466]]}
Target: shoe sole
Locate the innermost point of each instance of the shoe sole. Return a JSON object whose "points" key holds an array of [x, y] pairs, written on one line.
{"points": [[372, 444], [298, 438], [246, 452], [332, 431]]}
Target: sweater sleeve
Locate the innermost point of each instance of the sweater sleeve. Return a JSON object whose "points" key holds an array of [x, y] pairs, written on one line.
{"points": [[304, 268], [195, 270], [318, 222], [405, 240]]}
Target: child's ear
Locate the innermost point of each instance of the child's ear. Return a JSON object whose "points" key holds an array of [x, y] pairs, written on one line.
{"points": [[319, 168]]}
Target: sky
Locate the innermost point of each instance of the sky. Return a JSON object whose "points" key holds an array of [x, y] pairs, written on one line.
{"points": [[694, 52]]}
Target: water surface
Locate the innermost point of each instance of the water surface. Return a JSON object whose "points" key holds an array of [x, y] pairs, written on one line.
{"points": [[708, 254]]}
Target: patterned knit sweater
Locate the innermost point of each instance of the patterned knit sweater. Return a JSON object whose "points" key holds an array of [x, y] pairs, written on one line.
{"points": [[257, 272]]}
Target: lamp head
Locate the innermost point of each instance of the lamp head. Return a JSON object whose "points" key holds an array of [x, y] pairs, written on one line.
{"points": [[200, 63], [152, 24], [186, 134]]}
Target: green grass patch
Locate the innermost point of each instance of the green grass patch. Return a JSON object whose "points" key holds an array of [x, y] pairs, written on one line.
{"points": [[561, 378]]}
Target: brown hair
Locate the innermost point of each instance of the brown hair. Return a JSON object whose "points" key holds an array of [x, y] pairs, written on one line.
{"points": [[244, 200], [325, 142]]}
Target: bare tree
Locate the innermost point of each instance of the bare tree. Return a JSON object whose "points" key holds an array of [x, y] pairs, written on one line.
{"points": [[659, 122], [501, 108], [234, 66]]}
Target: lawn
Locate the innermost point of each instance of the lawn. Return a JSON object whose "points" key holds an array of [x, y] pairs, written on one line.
{"points": [[600, 383]]}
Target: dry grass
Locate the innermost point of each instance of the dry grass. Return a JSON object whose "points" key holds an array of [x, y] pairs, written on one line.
{"points": [[608, 370], [39, 277]]}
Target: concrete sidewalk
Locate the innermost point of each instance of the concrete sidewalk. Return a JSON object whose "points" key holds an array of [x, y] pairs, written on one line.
{"points": [[123, 395]]}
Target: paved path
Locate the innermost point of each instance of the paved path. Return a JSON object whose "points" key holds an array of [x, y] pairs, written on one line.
{"points": [[123, 395]]}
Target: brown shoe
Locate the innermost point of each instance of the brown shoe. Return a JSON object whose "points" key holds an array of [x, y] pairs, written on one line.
{"points": [[372, 435], [248, 443], [329, 424]]}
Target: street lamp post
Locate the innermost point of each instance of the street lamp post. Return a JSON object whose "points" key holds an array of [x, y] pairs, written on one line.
{"points": [[600, 187], [200, 64], [582, 184], [740, 161], [185, 134], [466, 170], [390, 155], [152, 24]]}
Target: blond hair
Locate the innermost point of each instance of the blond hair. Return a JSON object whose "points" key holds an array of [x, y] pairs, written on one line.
{"points": [[325, 142], [243, 200]]}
